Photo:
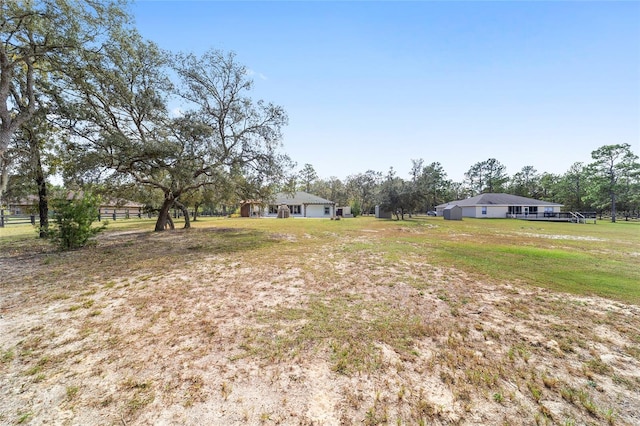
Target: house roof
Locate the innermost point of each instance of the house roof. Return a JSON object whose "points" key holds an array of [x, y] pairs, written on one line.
{"points": [[299, 197], [452, 206], [499, 200]]}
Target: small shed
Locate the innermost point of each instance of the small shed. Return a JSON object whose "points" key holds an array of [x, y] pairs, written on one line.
{"points": [[452, 212], [251, 208], [382, 214], [344, 211]]}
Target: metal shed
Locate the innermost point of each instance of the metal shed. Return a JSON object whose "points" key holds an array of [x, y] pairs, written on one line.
{"points": [[382, 214], [452, 212]]}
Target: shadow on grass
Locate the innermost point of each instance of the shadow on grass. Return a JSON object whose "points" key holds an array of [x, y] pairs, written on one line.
{"points": [[123, 254]]}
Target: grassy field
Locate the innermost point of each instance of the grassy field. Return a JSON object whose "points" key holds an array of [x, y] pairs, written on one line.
{"points": [[305, 321]]}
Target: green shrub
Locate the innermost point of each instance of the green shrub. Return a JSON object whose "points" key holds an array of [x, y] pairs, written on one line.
{"points": [[356, 210], [72, 221]]}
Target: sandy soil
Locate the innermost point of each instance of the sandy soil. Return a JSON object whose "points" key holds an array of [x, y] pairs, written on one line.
{"points": [[216, 340]]}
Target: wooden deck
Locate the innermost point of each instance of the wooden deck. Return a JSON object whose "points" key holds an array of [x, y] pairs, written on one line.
{"points": [[572, 217]]}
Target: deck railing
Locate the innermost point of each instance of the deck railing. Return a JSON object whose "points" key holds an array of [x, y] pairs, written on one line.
{"points": [[578, 217]]}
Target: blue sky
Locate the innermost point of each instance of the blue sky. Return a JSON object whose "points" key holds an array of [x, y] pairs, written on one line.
{"points": [[372, 85]]}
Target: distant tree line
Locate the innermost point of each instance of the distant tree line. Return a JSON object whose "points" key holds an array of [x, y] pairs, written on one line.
{"points": [[91, 100], [610, 185]]}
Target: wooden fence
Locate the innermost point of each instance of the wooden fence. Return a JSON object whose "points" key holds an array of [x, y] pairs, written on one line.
{"points": [[16, 219], [122, 215], [22, 219]]}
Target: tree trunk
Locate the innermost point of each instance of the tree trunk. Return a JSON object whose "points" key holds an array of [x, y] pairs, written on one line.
{"points": [[195, 212], [163, 215], [41, 183], [169, 223], [185, 212], [43, 202], [4, 175], [613, 207]]}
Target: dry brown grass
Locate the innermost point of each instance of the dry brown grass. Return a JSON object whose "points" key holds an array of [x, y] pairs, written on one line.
{"points": [[269, 322]]}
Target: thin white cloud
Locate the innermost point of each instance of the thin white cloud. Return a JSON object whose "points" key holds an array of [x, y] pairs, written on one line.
{"points": [[176, 112], [252, 73]]}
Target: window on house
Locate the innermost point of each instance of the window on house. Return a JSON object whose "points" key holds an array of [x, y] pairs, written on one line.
{"points": [[273, 209], [327, 210], [484, 210], [295, 209]]}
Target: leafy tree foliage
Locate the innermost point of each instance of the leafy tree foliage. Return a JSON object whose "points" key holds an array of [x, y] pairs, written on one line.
{"points": [[363, 188], [398, 196], [124, 131], [73, 219], [615, 172], [331, 189], [525, 183], [307, 177], [40, 39], [572, 187], [431, 185], [487, 176], [30, 151]]}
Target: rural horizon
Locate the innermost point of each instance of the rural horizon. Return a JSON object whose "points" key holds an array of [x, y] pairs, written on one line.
{"points": [[357, 321], [143, 144]]}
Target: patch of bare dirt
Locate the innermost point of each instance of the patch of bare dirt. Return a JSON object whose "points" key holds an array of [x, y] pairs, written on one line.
{"points": [[226, 338]]}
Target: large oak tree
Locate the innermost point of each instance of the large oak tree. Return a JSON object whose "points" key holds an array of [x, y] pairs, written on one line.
{"points": [[123, 130], [40, 39]]}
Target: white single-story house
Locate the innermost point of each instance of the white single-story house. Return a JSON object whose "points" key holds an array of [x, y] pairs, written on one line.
{"points": [[301, 204], [502, 206]]}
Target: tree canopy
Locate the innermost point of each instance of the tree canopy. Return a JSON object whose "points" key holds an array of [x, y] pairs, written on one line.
{"points": [[41, 39], [177, 129], [123, 130]]}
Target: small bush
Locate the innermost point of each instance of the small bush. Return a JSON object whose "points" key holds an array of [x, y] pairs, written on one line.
{"points": [[73, 221], [356, 210]]}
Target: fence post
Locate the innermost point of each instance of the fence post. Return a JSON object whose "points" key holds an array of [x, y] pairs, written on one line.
{"points": [[1, 218], [114, 215], [33, 219]]}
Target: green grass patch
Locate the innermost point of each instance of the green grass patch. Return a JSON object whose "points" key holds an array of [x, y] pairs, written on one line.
{"points": [[556, 269], [602, 259]]}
